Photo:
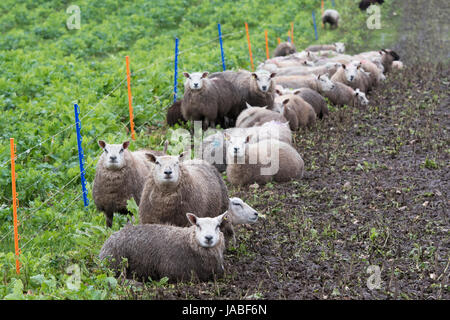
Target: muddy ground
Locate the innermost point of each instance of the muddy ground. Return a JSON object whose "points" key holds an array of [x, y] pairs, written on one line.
{"points": [[375, 193]]}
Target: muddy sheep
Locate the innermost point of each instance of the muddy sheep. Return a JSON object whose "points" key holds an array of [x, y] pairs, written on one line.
{"points": [[261, 162], [331, 17], [353, 76], [207, 100], [119, 176], [174, 115], [255, 88], [156, 251], [257, 116], [364, 4], [284, 49], [338, 47], [297, 111], [314, 98], [340, 94], [375, 74]]}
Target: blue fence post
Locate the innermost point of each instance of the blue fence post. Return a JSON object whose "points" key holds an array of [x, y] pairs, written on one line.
{"points": [[332, 3], [80, 154], [175, 77], [315, 25], [221, 47]]}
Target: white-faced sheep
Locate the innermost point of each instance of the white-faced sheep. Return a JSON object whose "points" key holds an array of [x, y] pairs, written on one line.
{"points": [[375, 74], [261, 162], [176, 186], [341, 94], [353, 76], [120, 176], [239, 213], [284, 49], [207, 100], [331, 17], [255, 88], [338, 47], [257, 116], [156, 251], [316, 100], [297, 111]]}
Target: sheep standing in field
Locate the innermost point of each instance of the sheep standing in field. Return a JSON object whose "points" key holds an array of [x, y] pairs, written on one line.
{"points": [[353, 76], [207, 100], [176, 186], [284, 49], [255, 88], [297, 111], [338, 47], [120, 176], [331, 17], [364, 4], [310, 96], [156, 251], [256, 116], [341, 94], [174, 114], [261, 162]]}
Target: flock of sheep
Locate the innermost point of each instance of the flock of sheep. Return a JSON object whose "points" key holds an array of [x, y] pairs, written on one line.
{"points": [[186, 215]]}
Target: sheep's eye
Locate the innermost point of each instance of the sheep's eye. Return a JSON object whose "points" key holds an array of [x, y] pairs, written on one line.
{"points": [[121, 150], [218, 226], [237, 204], [157, 162], [198, 226], [106, 150]]}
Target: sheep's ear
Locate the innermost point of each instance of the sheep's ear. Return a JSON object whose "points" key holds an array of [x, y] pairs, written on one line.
{"points": [[102, 144], [192, 218], [247, 140], [125, 144], [222, 217], [166, 145], [248, 106], [357, 92], [205, 74], [318, 77], [278, 92], [254, 75], [272, 75], [285, 101], [187, 75], [226, 136], [297, 91], [151, 157], [344, 66]]}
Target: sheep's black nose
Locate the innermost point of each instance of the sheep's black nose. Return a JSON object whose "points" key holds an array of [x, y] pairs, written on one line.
{"points": [[255, 213], [113, 158], [264, 88], [196, 85], [236, 150], [208, 238], [168, 172]]}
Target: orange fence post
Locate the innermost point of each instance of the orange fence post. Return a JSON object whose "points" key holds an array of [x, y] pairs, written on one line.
{"points": [[249, 46], [322, 7], [279, 40], [292, 32], [130, 98], [267, 45], [14, 194]]}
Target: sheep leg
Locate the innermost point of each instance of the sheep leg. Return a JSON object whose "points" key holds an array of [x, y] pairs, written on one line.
{"points": [[109, 219]]}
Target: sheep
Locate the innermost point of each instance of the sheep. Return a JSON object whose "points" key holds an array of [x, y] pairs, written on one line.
{"points": [[364, 4], [284, 49], [256, 116], [261, 162], [331, 16], [208, 100], [176, 186], [239, 213], [119, 176], [341, 94], [312, 97], [387, 57], [330, 68], [397, 65], [338, 47], [214, 146], [174, 114], [295, 82], [256, 88], [156, 250], [375, 74], [297, 111], [353, 76]]}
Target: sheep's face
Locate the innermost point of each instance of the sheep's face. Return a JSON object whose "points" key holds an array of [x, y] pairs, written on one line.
{"points": [[236, 144], [325, 83], [361, 96], [263, 80], [113, 154], [195, 80], [340, 47], [350, 72], [240, 212], [167, 169], [207, 230]]}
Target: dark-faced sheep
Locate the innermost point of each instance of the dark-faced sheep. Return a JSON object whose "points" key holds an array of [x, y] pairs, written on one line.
{"points": [[120, 175], [331, 17], [155, 251], [261, 162], [284, 49]]}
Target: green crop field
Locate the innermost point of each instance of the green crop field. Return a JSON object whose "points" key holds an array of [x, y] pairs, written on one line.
{"points": [[46, 68]]}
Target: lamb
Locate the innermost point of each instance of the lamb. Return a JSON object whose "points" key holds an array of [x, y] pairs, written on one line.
{"points": [[174, 114], [341, 94], [331, 16], [312, 97], [208, 100], [214, 146], [375, 74], [261, 162], [156, 251], [256, 116], [338, 47], [176, 186], [120, 175], [297, 111], [354, 77], [284, 49], [256, 88], [295, 82], [364, 4]]}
